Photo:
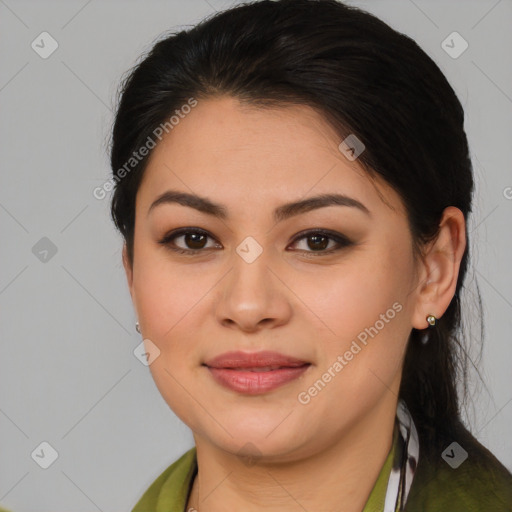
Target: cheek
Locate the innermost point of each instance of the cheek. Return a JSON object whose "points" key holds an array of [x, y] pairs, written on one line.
{"points": [[167, 302], [365, 320], [164, 294], [356, 294]]}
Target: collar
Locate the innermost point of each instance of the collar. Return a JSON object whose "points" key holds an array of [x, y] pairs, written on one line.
{"points": [[405, 461]]}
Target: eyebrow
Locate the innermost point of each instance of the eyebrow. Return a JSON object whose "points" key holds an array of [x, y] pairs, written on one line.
{"points": [[281, 213]]}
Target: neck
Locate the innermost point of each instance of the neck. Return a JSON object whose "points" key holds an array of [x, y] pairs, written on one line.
{"points": [[339, 477]]}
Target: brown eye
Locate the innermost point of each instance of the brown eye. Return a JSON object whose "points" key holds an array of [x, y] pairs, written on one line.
{"points": [[317, 241], [193, 240]]}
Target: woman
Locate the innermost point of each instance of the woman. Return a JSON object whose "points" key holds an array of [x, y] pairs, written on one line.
{"points": [[293, 182]]}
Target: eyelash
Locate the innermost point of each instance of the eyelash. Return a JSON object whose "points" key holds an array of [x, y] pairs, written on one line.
{"points": [[341, 240]]}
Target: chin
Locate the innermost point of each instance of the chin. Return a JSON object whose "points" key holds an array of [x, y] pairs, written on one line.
{"points": [[266, 436]]}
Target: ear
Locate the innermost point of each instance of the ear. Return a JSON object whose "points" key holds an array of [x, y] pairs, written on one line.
{"points": [[440, 268], [128, 270]]}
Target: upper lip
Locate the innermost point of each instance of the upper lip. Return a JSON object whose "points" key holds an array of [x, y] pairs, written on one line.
{"points": [[254, 360]]}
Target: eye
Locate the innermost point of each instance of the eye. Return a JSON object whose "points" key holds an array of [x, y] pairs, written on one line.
{"points": [[193, 238], [195, 241], [318, 241]]}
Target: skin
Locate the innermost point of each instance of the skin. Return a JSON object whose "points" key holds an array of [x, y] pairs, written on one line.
{"points": [[291, 299]]}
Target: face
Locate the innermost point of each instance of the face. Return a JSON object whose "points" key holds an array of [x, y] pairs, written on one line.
{"points": [[330, 285]]}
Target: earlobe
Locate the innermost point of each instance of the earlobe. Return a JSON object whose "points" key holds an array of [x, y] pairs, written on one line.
{"points": [[441, 268]]}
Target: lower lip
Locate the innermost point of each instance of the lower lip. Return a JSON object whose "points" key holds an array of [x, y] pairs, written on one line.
{"points": [[255, 383]]}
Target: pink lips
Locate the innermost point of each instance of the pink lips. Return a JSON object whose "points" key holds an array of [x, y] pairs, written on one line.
{"points": [[255, 373]]}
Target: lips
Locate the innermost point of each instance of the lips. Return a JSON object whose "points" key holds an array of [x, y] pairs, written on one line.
{"points": [[255, 373], [255, 361]]}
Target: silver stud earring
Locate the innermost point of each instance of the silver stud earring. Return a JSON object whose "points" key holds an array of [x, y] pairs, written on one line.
{"points": [[137, 327]]}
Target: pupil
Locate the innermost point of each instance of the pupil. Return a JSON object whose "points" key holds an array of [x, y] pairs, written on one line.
{"points": [[316, 239], [192, 238]]}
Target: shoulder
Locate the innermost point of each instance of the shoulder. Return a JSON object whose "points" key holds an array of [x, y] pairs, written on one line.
{"points": [[465, 476], [171, 484]]}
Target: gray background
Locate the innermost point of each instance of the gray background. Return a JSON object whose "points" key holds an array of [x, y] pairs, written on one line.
{"points": [[68, 373]]}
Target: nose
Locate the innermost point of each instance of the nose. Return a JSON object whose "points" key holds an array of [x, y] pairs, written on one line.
{"points": [[253, 295]]}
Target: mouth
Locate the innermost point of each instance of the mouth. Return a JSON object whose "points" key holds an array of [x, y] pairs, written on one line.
{"points": [[255, 373], [260, 368]]}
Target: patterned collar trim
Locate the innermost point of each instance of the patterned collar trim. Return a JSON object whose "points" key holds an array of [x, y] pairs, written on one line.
{"points": [[405, 461]]}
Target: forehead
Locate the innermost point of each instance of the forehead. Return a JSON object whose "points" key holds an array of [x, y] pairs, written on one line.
{"points": [[232, 151]]}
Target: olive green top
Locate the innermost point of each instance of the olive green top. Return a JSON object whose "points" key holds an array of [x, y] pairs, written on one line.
{"points": [[479, 484], [170, 491]]}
